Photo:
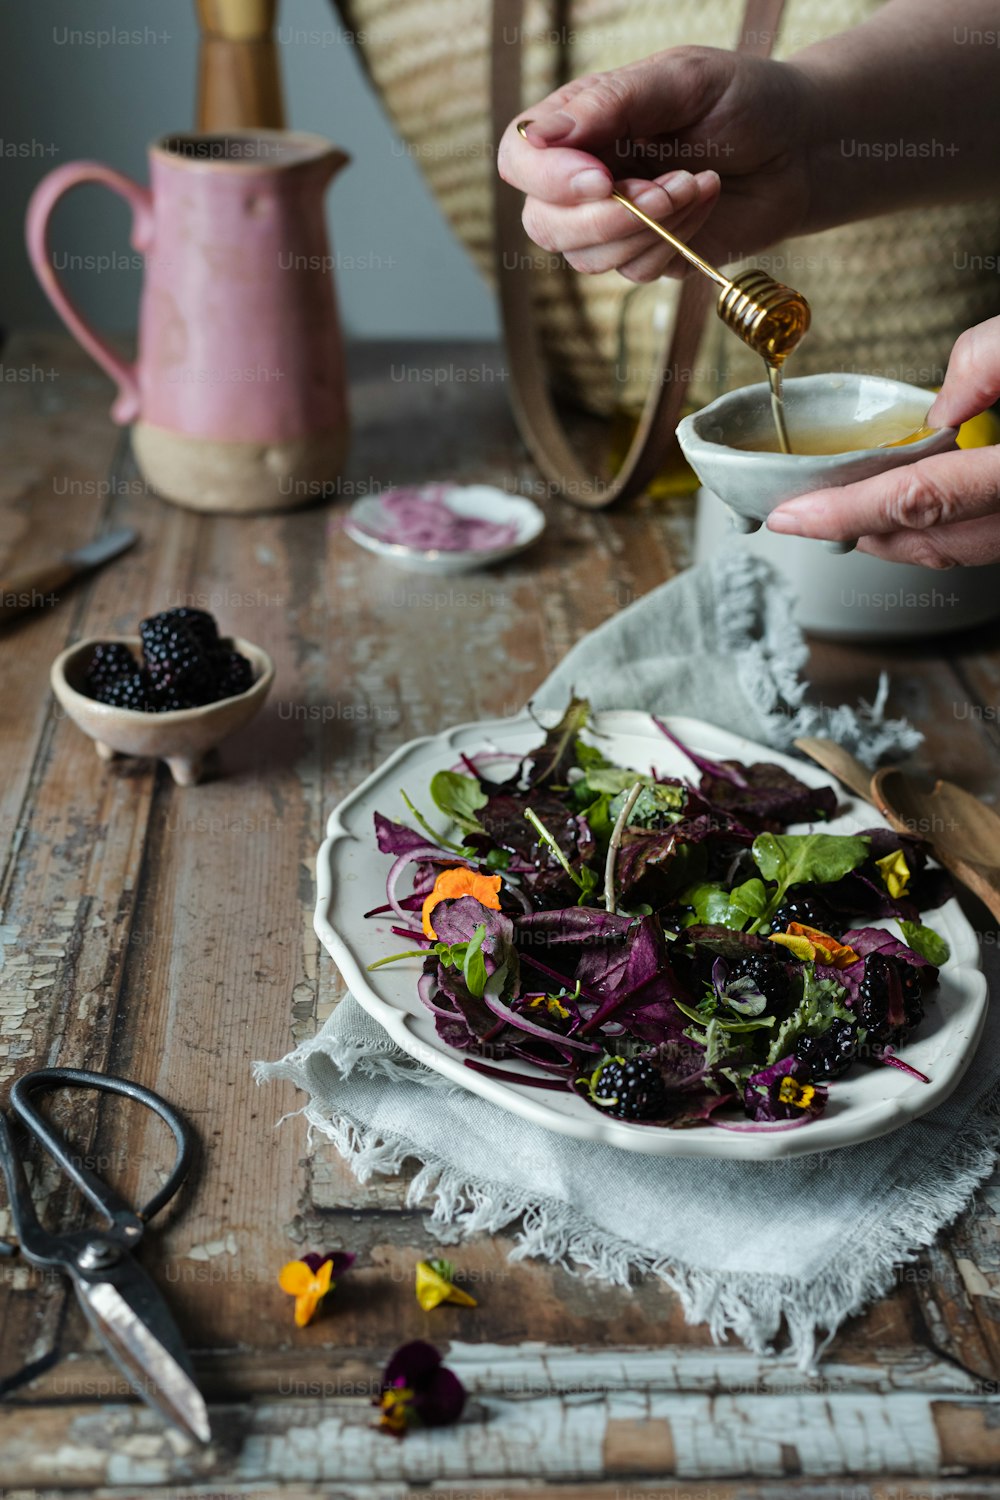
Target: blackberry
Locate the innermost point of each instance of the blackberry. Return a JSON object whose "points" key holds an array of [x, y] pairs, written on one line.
{"points": [[110, 660], [176, 661], [233, 674], [129, 691], [630, 1089], [811, 911], [197, 622], [830, 1054], [890, 998], [167, 697], [769, 975]]}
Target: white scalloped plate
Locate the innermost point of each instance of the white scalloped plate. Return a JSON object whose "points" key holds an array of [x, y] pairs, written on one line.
{"points": [[351, 876]]}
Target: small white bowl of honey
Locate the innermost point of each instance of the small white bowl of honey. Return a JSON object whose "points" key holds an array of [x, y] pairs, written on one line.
{"points": [[841, 428]]}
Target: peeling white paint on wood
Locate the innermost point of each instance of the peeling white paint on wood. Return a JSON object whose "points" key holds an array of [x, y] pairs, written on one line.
{"points": [[558, 1440], [536, 1368]]}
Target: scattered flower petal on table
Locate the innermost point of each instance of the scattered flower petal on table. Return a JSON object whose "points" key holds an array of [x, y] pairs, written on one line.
{"points": [[417, 1391], [435, 1284], [310, 1279]]}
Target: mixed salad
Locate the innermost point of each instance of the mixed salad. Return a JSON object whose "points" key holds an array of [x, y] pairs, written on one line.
{"points": [[660, 945]]}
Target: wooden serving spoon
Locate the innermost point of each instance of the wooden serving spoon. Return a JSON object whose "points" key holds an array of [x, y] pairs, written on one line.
{"points": [[963, 831], [839, 762]]}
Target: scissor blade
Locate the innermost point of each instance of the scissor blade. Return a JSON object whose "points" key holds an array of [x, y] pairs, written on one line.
{"points": [[131, 1318]]}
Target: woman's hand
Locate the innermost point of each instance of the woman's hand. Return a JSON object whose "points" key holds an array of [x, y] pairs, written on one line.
{"points": [[707, 142], [938, 512]]}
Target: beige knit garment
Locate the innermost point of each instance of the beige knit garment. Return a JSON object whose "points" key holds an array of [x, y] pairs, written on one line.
{"points": [[889, 295]]}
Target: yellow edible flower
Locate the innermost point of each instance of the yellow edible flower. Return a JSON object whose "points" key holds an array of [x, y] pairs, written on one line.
{"points": [[895, 873], [434, 1285], [455, 882], [793, 1092], [799, 947], [809, 943]]}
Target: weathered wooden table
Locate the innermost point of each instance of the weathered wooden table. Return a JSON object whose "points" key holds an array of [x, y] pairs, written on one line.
{"points": [[165, 933]]}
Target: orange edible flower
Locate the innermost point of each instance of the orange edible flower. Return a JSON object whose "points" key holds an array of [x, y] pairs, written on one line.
{"points": [[455, 882], [799, 938], [307, 1286]]}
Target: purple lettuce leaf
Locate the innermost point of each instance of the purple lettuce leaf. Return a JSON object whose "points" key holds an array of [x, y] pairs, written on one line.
{"points": [[571, 924], [770, 797], [630, 982], [396, 838], [865, 940], [727, 943]]}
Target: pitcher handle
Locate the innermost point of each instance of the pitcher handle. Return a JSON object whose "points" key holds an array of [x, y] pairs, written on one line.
{"points": [[43, 200]]}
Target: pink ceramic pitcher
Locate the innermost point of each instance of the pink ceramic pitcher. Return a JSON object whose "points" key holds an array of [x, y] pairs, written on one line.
{"points": [[238, 394]]}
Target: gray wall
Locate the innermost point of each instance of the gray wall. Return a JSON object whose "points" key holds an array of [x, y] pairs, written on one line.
{"points": [[403, 271]]}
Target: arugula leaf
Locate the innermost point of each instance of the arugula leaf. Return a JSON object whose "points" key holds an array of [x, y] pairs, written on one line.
{"points": [[452, 955], [497, 859], [822, 1003], [474, 964], [727, 1054], [433, 835], [585, 879], [459, 798], [553, 758], [925, 941], [800, 858]]}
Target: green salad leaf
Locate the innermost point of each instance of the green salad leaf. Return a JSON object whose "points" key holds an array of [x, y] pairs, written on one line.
{"points": [[925, 941], [714, 905], [790, 859], [459, 797]]}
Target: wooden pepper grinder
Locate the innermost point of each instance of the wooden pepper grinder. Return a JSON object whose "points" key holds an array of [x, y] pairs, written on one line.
{"points": [[239, 85]]}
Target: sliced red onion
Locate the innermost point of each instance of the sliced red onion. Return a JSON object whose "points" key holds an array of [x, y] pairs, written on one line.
{"points": [[428, 854], [427, 990], [534, 963], [891, 1060], [763, 1127], [559, 1085], [532, 1028]]}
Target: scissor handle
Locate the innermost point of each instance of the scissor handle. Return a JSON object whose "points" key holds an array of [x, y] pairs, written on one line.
{"points": [[100, 1194]]}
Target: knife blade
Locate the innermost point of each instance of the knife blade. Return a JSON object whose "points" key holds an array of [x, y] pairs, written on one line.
{"points": [[38, 586]]}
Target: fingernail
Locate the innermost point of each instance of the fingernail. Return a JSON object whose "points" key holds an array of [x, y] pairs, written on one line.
{"points": [[680, 185], [591, 183], [552, 127], [649, 199], [790, 518]]}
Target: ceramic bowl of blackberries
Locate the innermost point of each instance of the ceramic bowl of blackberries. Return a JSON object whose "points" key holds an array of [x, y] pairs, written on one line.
{"points": [[172, 692]]}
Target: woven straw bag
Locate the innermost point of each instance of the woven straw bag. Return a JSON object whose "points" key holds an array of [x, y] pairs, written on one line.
{"points": [[889, 295]]}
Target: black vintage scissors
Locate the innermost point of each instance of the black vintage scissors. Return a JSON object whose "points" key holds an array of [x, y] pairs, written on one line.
{"points": [[121, 1301]]}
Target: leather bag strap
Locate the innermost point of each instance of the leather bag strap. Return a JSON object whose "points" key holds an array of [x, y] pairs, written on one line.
{"points": [[534, 410]]}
